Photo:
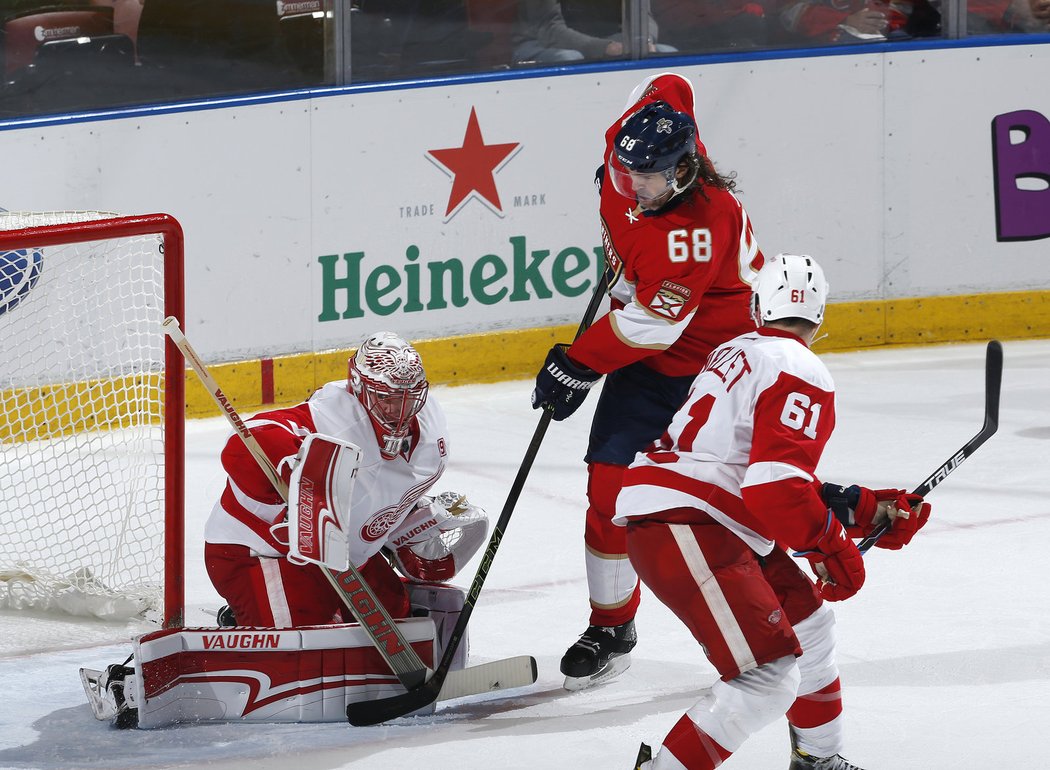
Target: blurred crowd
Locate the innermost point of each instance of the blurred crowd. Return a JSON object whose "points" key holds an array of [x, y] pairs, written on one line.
{"points": [[62, 55]]}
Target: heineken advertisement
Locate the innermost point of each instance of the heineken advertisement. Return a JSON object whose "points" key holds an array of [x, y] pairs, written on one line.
{"points": [[356, 286], [468, 207]]}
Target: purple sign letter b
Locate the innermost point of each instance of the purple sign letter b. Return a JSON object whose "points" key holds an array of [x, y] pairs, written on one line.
{"points": [[1022, 176]]}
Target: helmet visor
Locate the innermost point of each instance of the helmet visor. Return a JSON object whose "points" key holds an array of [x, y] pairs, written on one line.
{"points": [[647, 187]]}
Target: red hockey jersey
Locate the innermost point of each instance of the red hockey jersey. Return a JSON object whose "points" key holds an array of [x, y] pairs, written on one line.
{"points": [[681, 277], [745, 445]]}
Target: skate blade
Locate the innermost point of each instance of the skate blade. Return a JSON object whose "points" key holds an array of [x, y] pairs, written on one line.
{"points": [[612, 669]]}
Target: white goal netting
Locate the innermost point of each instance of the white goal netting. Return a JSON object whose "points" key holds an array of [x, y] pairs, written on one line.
{"points": [[82, 446]]}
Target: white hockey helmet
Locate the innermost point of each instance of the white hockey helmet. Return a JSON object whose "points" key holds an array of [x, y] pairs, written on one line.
{"points": [[386, 374], [789, 286]]}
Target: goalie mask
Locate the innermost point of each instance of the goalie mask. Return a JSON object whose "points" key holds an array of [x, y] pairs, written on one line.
{"points": [[647, 153], [386, 374], [789, 286]]}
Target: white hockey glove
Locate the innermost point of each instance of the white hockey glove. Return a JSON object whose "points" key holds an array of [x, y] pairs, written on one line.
{"points": [[438, 537]]}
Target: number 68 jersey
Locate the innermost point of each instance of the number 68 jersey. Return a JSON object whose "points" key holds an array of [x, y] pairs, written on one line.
{"points": [[758, 415], [681, 275]]}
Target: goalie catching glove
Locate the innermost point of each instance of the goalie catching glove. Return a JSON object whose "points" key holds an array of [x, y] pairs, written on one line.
{"points": [[861, 510], [438, 537]]}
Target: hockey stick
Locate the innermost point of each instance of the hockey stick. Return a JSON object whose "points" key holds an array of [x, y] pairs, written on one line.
{"points": [[993, 380], [351, 587], [373, 712]]}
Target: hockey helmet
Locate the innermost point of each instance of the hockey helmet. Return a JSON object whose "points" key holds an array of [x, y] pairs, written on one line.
{"points": [[647, 151], [789, 286], [386, 374]]}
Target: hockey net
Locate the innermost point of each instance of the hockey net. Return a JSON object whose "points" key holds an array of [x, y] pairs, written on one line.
{"points": [[91, 415]]}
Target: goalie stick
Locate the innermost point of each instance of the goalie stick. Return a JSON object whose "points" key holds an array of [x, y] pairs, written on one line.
{"points": [[351, 587], [993, 379], [374, 712]]}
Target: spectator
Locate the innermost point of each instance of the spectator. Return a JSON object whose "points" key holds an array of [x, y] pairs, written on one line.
{"points": [[695, 25], [543, 36], [854, 21], [989, 17]]}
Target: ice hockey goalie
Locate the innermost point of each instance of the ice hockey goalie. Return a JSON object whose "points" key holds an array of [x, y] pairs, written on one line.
{"points": [[265, 675]]}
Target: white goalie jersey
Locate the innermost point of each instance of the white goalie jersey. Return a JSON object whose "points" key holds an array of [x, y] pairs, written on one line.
{"points": [[251, 513]]}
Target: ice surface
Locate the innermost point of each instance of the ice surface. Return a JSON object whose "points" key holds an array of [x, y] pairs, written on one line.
{"points": [[945, 653]]}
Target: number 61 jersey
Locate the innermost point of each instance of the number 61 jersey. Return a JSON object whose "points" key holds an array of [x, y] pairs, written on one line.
{"points": [[758, 415]]}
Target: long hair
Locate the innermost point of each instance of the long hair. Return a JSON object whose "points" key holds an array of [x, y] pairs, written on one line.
{"points": [[707, 176]]}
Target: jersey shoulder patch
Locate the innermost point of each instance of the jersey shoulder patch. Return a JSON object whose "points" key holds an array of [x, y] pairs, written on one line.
{"points": [[669, 300]]}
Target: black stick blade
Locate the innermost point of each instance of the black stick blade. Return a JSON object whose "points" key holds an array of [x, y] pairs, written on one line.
{"points": [[374, 712], [993, 383]]}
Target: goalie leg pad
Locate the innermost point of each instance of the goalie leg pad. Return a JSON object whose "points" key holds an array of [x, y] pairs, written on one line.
{"points": [[442, 603], [259, 674]]}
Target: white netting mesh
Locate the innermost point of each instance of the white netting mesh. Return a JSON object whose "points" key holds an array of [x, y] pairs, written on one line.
{"points": [[81, 434]]}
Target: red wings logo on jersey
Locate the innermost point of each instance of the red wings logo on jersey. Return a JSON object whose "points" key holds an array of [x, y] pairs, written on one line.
{"points": [[669, 300], [380, 524]]}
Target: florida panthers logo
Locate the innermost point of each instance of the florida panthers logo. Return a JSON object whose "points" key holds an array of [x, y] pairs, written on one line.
{"points": [[19, 272], [380, 523]]}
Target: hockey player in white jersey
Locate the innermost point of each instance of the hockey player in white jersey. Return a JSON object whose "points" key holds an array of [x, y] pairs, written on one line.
{"points": [[711, 508], [293, 652], [385, 409]]}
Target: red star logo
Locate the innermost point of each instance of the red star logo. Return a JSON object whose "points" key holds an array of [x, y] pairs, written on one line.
{"points": [[472, 167]]}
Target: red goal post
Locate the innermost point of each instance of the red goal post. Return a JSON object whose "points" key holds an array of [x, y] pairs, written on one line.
{"points": [[91, 415]]}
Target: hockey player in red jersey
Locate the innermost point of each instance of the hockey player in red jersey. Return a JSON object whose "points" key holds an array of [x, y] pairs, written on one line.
{"points": [[383, 408], [710, 508], [681, 255]]}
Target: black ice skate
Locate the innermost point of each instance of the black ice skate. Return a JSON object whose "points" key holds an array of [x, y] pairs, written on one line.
{"points": [[800, 760], [599, 655]]}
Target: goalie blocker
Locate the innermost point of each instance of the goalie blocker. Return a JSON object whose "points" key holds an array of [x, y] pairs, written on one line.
{"points": [[281, 675]]}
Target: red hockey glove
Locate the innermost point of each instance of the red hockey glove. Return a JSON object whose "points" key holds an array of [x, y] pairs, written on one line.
{"points": [[837, 562], [861, 510], [907, 514]]}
